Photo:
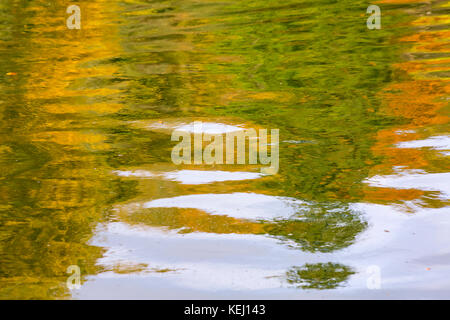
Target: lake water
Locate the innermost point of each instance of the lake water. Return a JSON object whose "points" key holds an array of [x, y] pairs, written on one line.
{"points": [[359, 207]]}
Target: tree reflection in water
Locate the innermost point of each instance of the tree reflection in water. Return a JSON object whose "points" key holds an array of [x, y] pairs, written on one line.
{"points": [[319, 275]]}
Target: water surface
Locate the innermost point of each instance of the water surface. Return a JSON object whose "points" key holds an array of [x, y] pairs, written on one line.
{"points": [[85, 151]]}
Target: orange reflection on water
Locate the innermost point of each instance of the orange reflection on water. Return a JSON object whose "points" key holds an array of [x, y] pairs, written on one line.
{"points": [[419, 101]]}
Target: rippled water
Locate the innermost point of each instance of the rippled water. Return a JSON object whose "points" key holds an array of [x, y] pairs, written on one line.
{"points": [[85, 149]]}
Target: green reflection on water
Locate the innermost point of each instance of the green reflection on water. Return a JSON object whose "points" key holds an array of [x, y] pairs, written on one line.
{"points": [[308, 68], [318, 276]]}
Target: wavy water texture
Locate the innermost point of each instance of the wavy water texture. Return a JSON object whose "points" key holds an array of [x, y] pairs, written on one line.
{"points": [[86, 179]]}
